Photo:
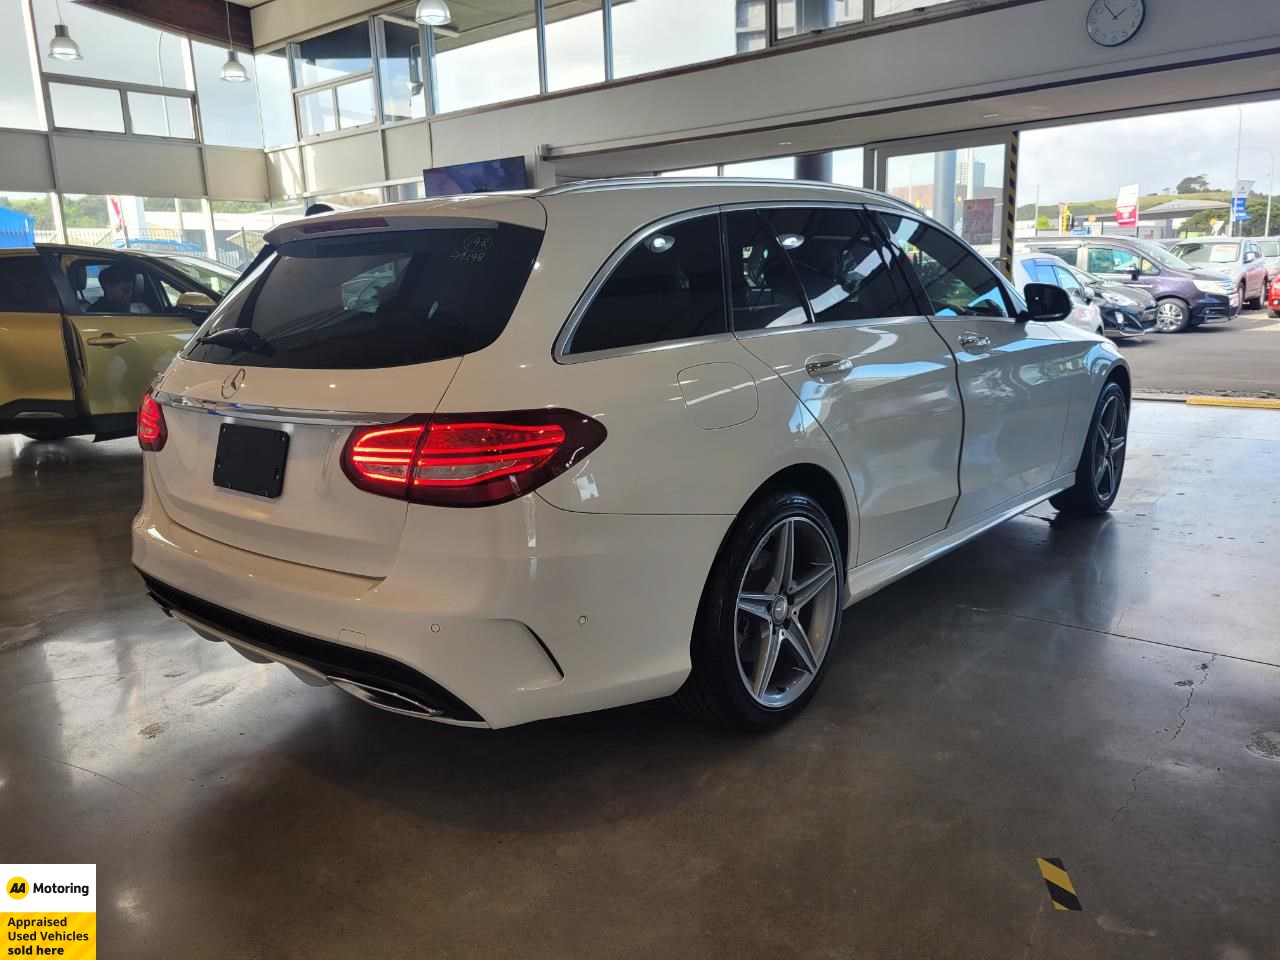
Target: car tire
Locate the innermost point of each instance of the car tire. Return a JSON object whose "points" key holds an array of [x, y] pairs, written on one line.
{"points": [[1253, 303], [1273, 314], [769, 619], [1101, 466], [1172, 316]]}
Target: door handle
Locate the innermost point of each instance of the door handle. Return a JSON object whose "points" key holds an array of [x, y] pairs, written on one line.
{"points": [[106, 340], [969, 339], [825, 365]]}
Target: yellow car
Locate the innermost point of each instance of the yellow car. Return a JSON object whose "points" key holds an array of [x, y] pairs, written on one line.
{"points": [[83, 332]]}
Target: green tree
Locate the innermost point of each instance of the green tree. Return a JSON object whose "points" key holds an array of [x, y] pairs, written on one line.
{"points": [[1196, 184]]}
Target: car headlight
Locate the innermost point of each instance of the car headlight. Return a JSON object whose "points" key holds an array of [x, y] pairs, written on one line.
{"points": [[1211, 286], [1114, 300]]}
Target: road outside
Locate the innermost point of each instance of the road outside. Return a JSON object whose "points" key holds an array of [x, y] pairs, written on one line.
{"points": [[1240, 358]]}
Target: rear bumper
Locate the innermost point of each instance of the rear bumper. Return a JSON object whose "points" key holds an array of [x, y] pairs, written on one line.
{"points": [[496, 617]]}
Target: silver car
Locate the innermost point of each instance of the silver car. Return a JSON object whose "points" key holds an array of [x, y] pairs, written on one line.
{"points": [[1240, 257], [1270, 247]]}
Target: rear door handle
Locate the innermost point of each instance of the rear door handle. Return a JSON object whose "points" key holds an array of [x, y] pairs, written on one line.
{"points": [[969, 340], [106, 340], [828, 366]]}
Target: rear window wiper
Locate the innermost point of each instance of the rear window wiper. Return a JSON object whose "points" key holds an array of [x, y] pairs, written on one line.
{"points": [[245, 337]]}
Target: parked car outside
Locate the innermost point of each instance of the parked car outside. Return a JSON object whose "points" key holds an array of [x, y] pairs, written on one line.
{"points": [[497, 458], [1186, 295], [1239, 257], [1273, 299], [216, 276], [1118, 311], [73, 360], [1270, 247]]}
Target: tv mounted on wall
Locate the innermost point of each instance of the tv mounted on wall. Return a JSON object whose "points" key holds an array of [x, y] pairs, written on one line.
{"points": [[484, 176]]}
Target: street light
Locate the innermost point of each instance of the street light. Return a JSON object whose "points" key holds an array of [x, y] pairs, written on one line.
{"points": [[1271, 176]]}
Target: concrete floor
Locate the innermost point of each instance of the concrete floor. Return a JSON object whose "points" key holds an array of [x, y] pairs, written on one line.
{"points": [[1107, 693]]}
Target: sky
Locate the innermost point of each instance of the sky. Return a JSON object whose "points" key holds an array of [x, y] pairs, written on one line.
{"points": [[1092, 161]]}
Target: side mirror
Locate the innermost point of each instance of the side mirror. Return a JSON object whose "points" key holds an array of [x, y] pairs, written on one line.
{"points": [[1046, 303], [1090, 294], [1135, 274], [192, 300]]}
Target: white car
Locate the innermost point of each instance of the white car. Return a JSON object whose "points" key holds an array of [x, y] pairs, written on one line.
{"points": [[1084, 314], [498, 458]]}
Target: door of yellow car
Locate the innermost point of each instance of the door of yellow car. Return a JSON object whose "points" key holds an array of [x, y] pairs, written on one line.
{"points": [[37, 394], [128, 323]]}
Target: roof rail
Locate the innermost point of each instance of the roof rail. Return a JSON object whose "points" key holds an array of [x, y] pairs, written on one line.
{"points": [[623, 183]]}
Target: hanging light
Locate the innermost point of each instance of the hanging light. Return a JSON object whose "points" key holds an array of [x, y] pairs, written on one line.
{"points": [[434, 13], [233, 70], [62, 47]]}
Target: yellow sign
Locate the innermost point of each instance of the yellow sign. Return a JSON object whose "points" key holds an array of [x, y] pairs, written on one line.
{"points": [[55, 913]]}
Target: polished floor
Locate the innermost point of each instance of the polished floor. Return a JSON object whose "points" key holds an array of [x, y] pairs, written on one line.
{"points": [[1107, 693]]}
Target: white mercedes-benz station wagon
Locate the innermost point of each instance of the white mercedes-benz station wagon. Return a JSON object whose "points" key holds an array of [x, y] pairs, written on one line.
{"points": [[492, 459]]}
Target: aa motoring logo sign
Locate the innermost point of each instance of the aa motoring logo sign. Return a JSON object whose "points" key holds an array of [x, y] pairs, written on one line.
{"points": [[49, 910]]}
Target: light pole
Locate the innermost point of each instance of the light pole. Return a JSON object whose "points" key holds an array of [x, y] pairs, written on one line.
{"points": [[1235, 181], [1271, 176]]}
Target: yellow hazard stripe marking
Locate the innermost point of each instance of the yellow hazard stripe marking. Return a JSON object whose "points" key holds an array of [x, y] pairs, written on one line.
{"points": [[1252, 403], [1055, 876]]}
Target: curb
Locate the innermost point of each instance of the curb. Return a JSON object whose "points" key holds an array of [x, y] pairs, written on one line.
{"points": [[1243, 402]]}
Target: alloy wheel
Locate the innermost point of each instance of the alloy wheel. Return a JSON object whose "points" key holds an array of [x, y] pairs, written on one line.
{"points": [[1168, 317], [1108, 448], [786, 610]]}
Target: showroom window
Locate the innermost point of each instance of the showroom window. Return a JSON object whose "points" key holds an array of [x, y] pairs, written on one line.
{"points": [[401, 66], [847, 167], [575, 44], [782, 168], [39, 227], [238, 228], [653, 35], [796, 17], [19, 100], [228, 111], [86, 108], [839, 261], [157, 116], [668, 287], [334, 74], [114, 49], [764, 294], [486, 57], [275, 98], [888, 8]]}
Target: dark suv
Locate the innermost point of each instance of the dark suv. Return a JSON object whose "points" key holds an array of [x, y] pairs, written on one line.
{"points": [[1186, 295]]}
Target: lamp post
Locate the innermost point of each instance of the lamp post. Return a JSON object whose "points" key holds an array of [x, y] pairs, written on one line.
{"points": [[1271, 175]]}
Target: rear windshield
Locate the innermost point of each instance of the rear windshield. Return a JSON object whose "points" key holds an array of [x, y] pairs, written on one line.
{"points": [[376, 300]]}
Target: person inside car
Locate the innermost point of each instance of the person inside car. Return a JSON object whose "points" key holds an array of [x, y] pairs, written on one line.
{"points": [[117, 292]]}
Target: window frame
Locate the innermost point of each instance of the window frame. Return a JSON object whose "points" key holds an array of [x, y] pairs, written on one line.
{"points": [[372, 75], [564, 338], [122, 91]]}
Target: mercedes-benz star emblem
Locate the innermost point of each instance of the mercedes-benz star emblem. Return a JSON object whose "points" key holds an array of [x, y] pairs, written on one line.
{"points": [[232, 384]]}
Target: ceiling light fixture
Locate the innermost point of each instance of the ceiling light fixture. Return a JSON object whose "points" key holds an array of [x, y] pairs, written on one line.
{"points": [[62, 47], [233, 70], [434, 13], [990, 116]]}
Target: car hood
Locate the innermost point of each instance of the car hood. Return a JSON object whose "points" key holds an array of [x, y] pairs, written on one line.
{"points": [[1203, 273], [1130, 296]]}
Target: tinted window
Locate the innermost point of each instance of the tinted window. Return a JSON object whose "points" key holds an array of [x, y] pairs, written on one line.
{"points": [[957, 281], [669, 286], [25, 287], [146, 295], [764, 295], [1067, 281], [1115, 260], [841, 264], [377, 300], [1044, 272]]}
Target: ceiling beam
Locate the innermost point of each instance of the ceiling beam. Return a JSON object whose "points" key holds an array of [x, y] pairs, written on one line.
{"points": [[202, 19]]}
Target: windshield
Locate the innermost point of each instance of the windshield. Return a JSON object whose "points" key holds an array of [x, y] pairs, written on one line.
{"points": [[373, 300], [1270, 248], [1209, 251]]}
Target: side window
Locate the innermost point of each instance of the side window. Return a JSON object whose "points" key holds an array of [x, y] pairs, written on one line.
{"points": [[1044, 272], [764, 295], [1065, 253], [25, 287], [957, 281], [1111, 260], [1067, 280], [669, 286], [841, 264]]}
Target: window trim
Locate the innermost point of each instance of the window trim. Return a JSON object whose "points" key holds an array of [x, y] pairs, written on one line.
{"points": [[565, 337]]}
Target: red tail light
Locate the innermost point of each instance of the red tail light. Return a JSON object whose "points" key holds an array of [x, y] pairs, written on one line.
{"points": [[152, 432], [469, 460]]}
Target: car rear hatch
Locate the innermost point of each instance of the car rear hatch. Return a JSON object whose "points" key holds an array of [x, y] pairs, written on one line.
{"points": [[351, 320]]}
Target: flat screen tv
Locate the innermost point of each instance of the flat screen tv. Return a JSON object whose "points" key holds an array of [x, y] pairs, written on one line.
{"points": [[484, 176]]}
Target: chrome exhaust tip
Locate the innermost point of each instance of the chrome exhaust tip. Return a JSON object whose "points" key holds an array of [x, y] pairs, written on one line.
{"points": [[387, 700]]}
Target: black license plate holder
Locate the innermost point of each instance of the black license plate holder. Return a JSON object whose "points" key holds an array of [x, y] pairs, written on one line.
{"points": [[251, 460]]}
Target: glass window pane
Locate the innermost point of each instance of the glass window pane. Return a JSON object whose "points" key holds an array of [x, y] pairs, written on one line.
{"points": [[764, 295], [668, 287], [846, 167], [86, 108], [659, 34], [692, 172], [958, 188], [275, 98], [575, 45], [805, 16], [163, 225], [238, 227], [154, 116], [400, 70], [228, 111], [352, 199], [17, 88], [315, 110], [841, 265], [87, 219], [494, 58], [25, 286], [783, 168], [333, 55], [414, 190], [113, 48], [752, 24], [885, 8], [958, 282], [355, 103], [37, 207]]}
